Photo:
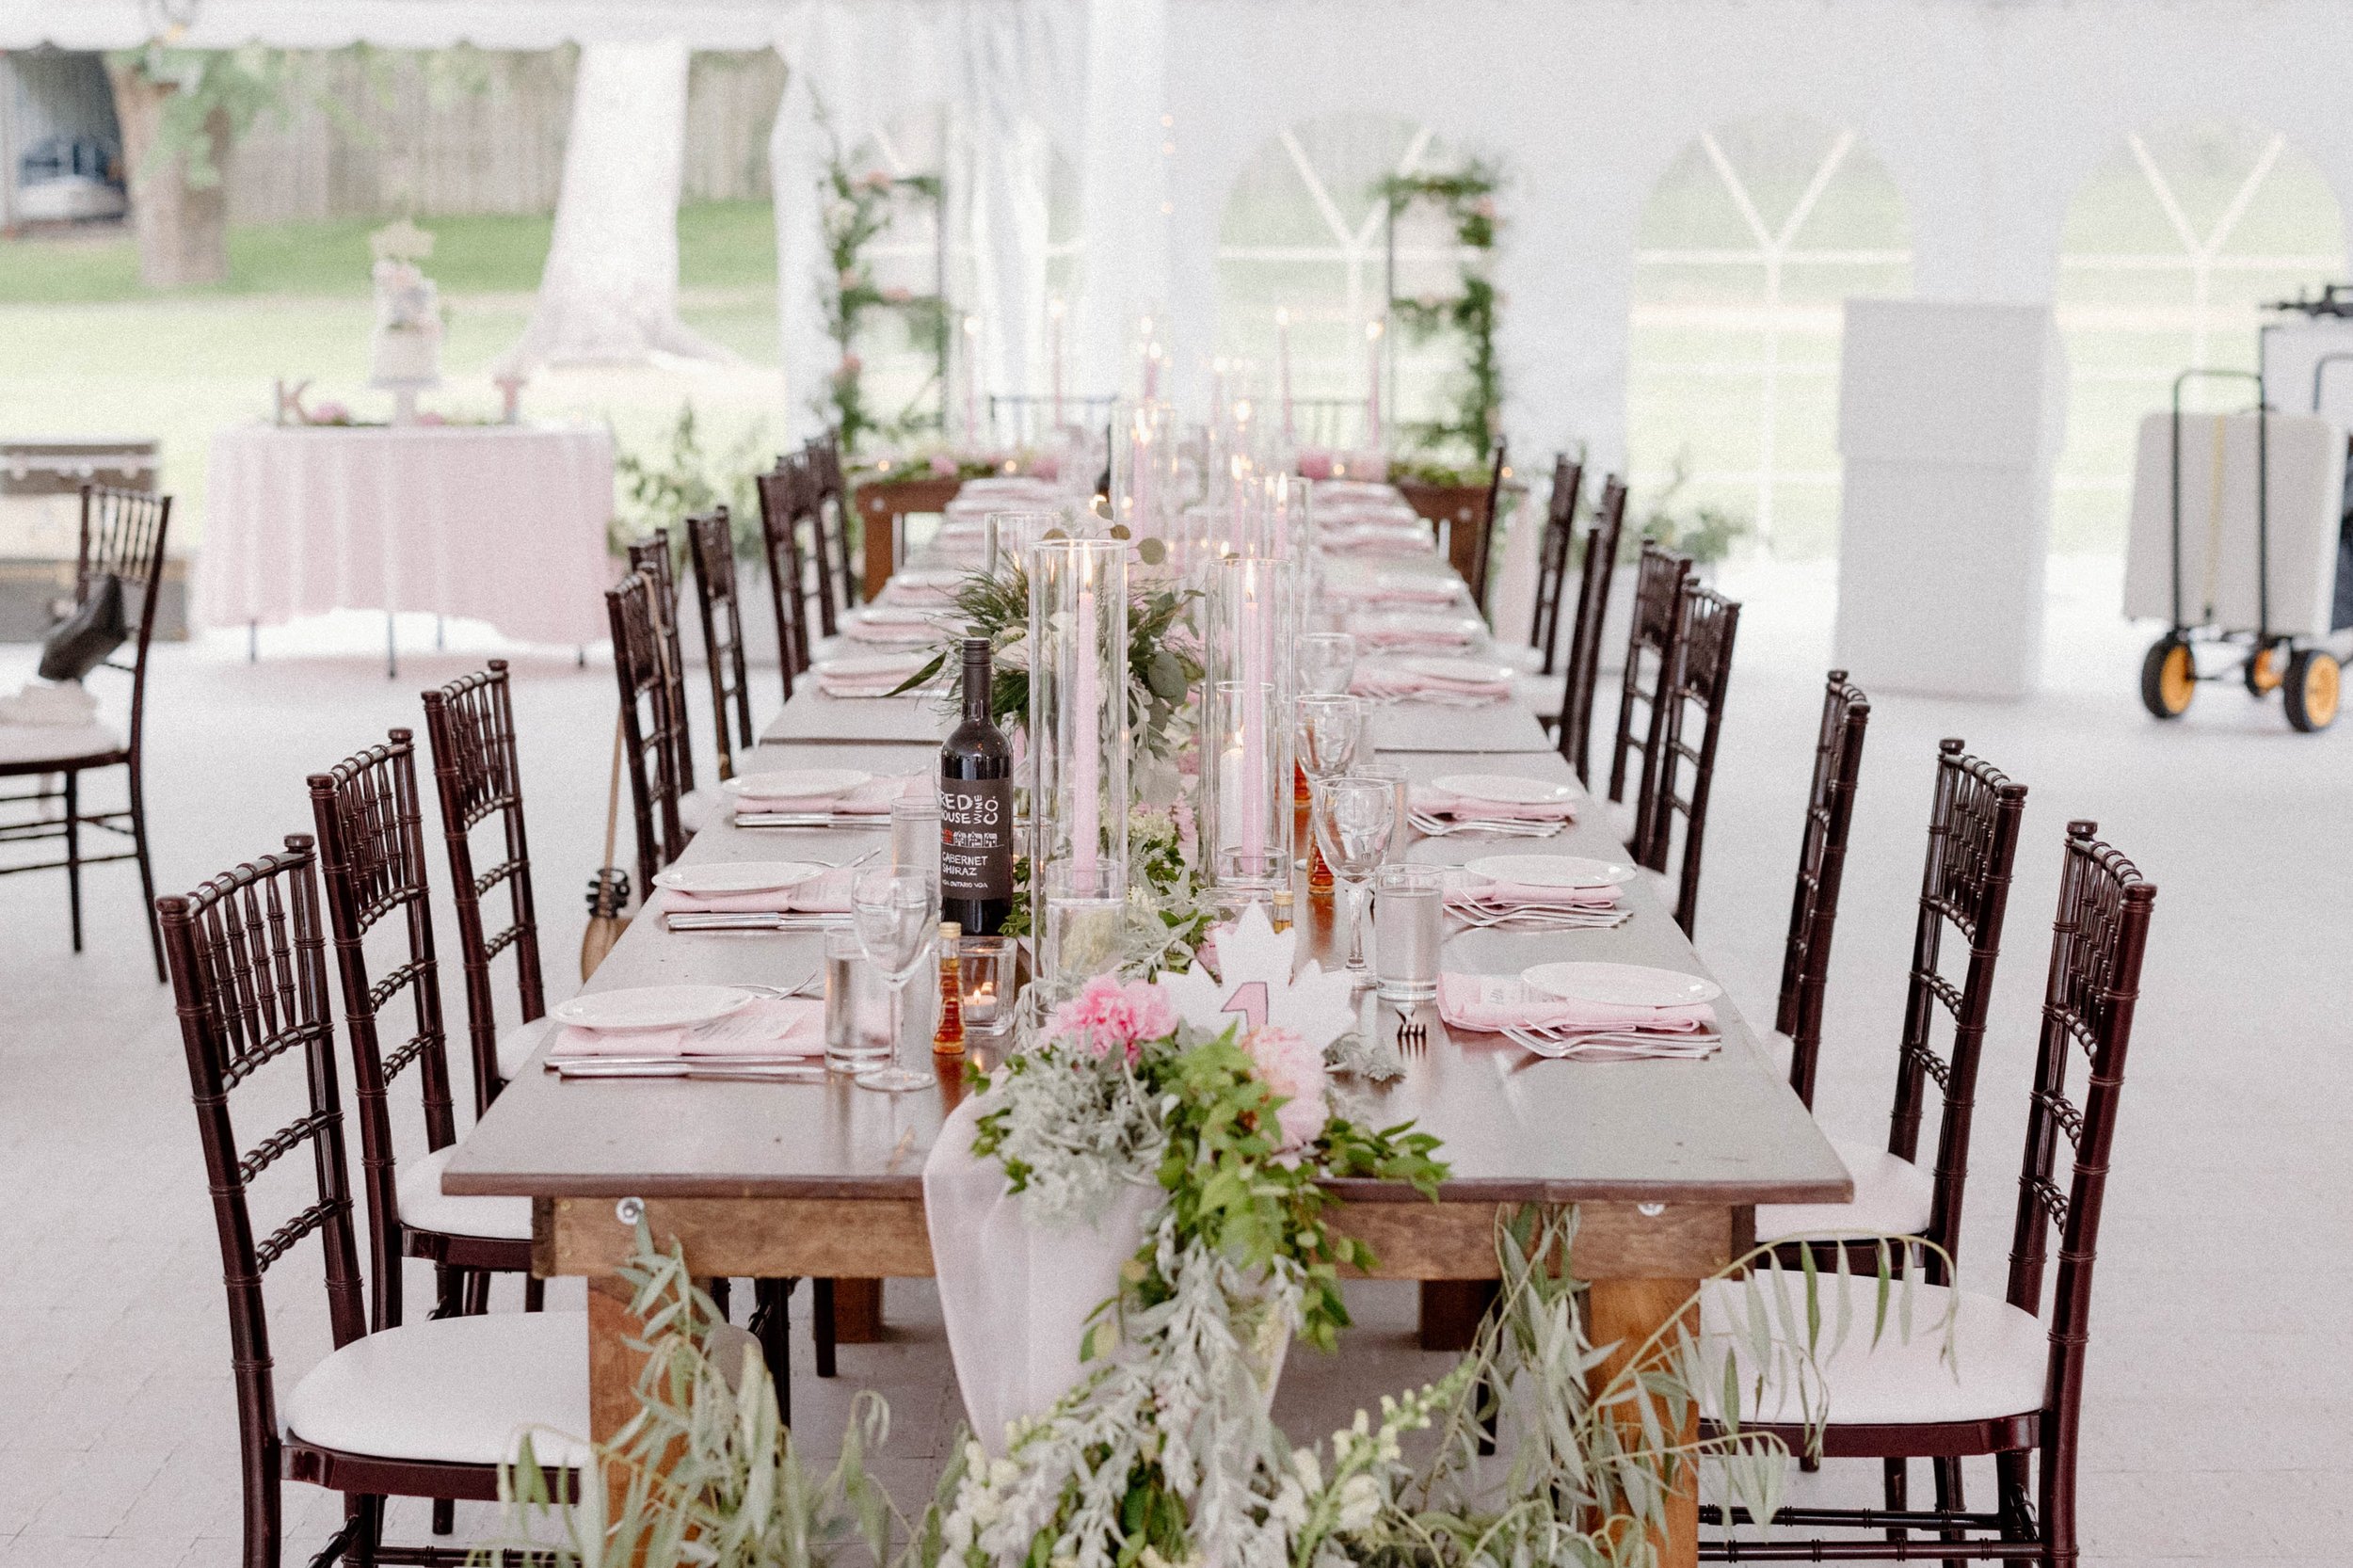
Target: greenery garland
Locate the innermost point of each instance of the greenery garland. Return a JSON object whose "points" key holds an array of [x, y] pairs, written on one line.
{"points": [[860, 207], [1467, 194]]}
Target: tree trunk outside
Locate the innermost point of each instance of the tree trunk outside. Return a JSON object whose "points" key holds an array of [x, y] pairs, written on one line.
{"points": [[182, 233], [609, 295]]}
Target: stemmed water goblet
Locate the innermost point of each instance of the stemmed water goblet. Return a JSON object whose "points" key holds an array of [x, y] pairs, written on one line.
{"points": [[1352, 819], [896, 914], [1331, 729], [1325, 661]]}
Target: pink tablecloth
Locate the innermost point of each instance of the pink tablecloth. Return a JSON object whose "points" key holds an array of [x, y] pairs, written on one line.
{"points": [[501, 523]]}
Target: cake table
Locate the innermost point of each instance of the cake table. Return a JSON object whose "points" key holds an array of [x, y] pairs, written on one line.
{"points": [[500, 524]]}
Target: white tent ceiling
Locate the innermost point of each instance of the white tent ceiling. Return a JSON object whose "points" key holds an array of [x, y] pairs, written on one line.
{"points": [[389, 24]]}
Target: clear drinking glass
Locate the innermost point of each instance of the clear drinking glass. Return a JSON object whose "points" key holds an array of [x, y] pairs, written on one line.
{"points": [[1086, 915], [1408, 906], [915, 835], [857, 1008], [1325, 661], [1401, 833], [898, 920], [1330, 730], [1353, 819]]}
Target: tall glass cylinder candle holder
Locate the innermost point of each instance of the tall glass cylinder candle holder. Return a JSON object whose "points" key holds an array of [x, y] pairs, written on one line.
{"points": [[1006, 536], [1079, 724], [1244, 818]]}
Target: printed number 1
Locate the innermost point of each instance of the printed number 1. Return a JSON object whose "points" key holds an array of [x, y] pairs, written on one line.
{"points": [[1250, 1001]]}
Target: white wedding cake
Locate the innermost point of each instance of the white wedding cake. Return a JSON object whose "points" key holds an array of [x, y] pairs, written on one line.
{"points": [[407, 346]]}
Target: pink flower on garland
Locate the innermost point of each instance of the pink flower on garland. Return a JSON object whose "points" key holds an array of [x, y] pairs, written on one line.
{"points": [[1292, 1068], [1106, 1015], [943, 465]]}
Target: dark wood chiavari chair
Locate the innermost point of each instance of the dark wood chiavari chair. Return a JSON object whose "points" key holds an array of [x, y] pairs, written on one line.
{"points": [[371, 852], [829, 498], [1482, 541], [122, 535], [1598, 572], [1703, 675], [1650, 652], [711, 539], [1552, 557], [2014, 1386], [647, 727], [428, 1409], [477, 775], [652, 556], [780, 509], [1822, 864]]}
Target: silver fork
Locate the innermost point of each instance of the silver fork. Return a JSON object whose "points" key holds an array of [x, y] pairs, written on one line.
{"points": [[1412, 1039]]}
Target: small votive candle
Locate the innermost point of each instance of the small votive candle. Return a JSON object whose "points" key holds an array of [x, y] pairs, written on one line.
{"points": [[984, 969]]}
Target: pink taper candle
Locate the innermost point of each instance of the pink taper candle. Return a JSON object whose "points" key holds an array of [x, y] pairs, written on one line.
{"points": [[1373, 385], [1283, 366]]}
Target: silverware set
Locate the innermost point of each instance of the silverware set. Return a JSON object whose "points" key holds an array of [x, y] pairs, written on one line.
{"points": [[844, 822], [751, 919], [1604, 1045], [1430, 826], [1539, 916]]}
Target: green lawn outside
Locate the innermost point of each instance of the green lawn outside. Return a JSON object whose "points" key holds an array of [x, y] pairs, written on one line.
{"points": [[722, 244]]}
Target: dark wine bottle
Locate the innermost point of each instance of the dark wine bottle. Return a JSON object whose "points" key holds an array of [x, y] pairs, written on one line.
{"points": [[976, 809]]}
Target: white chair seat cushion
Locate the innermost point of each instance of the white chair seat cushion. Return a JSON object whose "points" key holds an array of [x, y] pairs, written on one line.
{"points": [[1998, 1367], [1542, 692], [424, 1206], [1891, 1196], [695, 810], [462, 1390], [517, 1047], [21, 744]]}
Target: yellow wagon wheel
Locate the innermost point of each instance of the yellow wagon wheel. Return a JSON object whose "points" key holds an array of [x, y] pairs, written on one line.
{"points": [[2168, 678], [2314, 687], [2266, 667]]}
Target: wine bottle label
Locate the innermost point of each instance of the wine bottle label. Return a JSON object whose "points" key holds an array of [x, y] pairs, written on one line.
{"points": [[976, 837]]}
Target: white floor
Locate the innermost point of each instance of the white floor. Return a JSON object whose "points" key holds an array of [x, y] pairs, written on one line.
{"points": [[2220, 1422]]}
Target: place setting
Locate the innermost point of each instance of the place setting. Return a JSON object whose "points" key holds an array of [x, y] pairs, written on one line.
{"points": [[1579, 1009]]}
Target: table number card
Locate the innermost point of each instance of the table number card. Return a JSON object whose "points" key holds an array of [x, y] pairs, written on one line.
{"points": [[1260, 987]]}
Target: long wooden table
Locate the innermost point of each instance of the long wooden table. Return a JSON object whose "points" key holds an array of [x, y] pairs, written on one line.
{"points": [[1666, 1160]]}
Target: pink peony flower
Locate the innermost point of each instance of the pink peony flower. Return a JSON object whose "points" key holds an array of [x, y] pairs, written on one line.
{"points": [[943, 465], [1106, 1015], [877, 179], [896, 294], [1294, 1070], [330, 413]]}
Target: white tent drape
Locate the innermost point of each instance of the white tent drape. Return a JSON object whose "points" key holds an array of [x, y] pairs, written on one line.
{"points": [[1008, 75]]}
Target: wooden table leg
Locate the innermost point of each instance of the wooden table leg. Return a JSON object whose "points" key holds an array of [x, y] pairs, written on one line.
{"points": [[1629, 1311], [858, 1311], [613, 1367]]}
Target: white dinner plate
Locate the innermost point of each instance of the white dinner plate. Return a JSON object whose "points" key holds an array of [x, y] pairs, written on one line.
{"points": [[872, 663], [737, 876], [929, 577], [796, 784], [652, 1007], [1510, 789], [893, 615], [1550, 870], [1621, 985], [1458, 669]]}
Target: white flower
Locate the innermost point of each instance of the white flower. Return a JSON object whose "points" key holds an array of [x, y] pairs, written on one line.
{"points": [[1289, 1507], [1308, 1468], [1360, 1502]]}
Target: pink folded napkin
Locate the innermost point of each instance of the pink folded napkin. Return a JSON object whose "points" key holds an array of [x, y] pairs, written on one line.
{"points": [[925, 596], [1437, 591], [1432, 801], [890, 630], [1395, 542], [1412, 639], [1393, 681], [773, 1026], [871, 799], [1488, 1003], [1470, 891]]}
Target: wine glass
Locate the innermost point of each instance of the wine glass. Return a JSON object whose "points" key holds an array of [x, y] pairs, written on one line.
{"points": [[896, 914], [1354, 817], [1330, 729], [1326, 663]]}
